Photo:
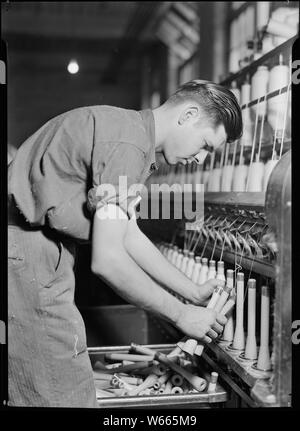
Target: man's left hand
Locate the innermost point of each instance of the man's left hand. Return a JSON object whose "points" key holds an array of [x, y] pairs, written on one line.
{"points": [[203, 292]]}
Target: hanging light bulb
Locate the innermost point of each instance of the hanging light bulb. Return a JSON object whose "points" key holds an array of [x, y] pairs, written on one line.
{"points": [[73, 67]]}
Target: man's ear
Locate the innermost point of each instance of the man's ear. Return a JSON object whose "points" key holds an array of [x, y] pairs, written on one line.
{"points": [[187, 114]]}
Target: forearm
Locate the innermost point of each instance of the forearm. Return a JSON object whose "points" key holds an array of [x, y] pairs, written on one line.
{"points": [[128, 280], [150, 259]]}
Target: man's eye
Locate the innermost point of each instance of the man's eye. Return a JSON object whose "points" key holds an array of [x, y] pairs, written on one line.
{"points": [[208, 148]]}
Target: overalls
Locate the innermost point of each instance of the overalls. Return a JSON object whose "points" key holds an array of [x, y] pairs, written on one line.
{"points": [[44, 325], [52, 184]]}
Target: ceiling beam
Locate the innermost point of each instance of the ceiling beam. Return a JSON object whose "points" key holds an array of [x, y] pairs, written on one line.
{"points": [[25, 42], [128, 44], [110, 19]]}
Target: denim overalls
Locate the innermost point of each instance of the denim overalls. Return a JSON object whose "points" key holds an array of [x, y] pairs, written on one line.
{"points": [[53, 178], [48, 362]]}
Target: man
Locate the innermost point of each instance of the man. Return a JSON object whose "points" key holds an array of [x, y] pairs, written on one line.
{"points": [[55, 199]]}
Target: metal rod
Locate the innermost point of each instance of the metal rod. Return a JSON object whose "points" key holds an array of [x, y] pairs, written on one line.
{"points": [[234, 152], [197, 241], [222, 156], [260, 136], [214, 247], [284, 121], [204, 246], [275, 133], [265, 97], [253, 145], [222, 250]]}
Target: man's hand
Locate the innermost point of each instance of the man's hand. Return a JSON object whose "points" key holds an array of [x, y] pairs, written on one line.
{"points": [[202, 293], [150, 259], [200, 323]]}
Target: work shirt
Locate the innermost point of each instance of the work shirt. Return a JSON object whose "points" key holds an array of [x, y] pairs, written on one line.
{"points": [[54, 187], [55, 175]]}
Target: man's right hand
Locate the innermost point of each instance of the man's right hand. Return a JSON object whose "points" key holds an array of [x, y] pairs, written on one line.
{"points": [[200, 323]]}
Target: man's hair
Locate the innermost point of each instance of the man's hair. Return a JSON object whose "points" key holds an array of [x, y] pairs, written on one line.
{"points": [[217, 102]]}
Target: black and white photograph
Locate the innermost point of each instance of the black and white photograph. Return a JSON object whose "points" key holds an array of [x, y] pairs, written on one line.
{"points": [[149, 206]]}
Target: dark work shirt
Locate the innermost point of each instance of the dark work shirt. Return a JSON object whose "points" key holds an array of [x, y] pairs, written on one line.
{"points": [[55, 176]]}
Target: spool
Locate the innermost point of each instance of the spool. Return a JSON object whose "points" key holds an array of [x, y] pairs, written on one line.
{"points": [[163, 379], [147, 383], [168, 388], [239, 334], [179, 259], [216, 180], [189, 346], [227, 178], [215, 297], [157, 385], [203, 271], [213, 382], [174, 256], [262, 14], [190, 265], [211, 270], [245, 92], [239, 178], [177, 380], [198, 177], [160, 369], [228, 307], [102, 384], [264, 361], [246, 138], [170, 253], [211, 167], [255, 177], [127, 356], [269, 166], [220, 270], [116, 391], [99, 365], [251, 347], [205, 179], [184, 261], [101, 393], [196, 381], [279, 78], [259, 88], [235, 91], [180, 344], [165, 249], [222, 299], [228, 332], [196, 270], [176, 390]]}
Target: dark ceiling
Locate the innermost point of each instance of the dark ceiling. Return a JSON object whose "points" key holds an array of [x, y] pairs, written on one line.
{"points": [[111, 30]]}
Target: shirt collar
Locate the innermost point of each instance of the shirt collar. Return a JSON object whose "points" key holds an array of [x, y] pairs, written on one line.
{"points": [[148, 119]]}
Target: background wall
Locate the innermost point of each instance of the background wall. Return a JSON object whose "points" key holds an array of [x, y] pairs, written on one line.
{"points": [[42, 37], [40, 88]]}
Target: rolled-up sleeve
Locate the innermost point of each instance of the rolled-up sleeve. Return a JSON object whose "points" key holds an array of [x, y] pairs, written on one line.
{"points": [[116, 175]]}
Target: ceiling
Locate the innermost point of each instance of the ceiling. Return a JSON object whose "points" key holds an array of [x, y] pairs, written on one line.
{"points": [[111, 31], [109, 35], [91, 20]]}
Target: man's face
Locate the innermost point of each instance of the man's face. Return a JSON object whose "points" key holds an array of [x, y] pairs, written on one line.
{"points": [[192, 134]]}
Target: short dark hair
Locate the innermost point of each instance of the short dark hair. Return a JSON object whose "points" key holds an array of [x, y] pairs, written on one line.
{"points": [[218, 103]]}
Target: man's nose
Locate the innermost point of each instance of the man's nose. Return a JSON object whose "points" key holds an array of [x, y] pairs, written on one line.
{"points": [[200, 157]]}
